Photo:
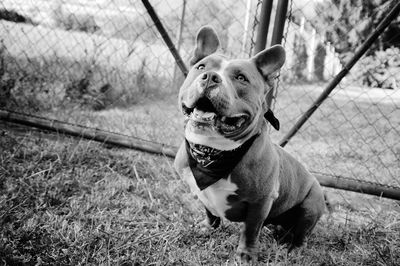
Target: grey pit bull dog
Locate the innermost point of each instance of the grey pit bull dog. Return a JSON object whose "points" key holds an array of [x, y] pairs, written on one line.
{"points": [[227, 157]]}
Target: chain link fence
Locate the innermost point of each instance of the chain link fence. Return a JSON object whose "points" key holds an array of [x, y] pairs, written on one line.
{"points": [[102, 64], [354, 134], [65, 59]]}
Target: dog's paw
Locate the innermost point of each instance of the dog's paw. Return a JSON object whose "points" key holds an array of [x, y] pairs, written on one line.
{"points": [[205, 226], [245, 256]]}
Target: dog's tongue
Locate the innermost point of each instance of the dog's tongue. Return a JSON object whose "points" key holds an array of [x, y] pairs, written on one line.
{"points": [[201, 115]]}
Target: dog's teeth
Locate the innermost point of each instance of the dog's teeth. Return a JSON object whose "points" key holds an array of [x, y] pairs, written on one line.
{"points": [[197, 112], [207, 116], [240, 122]]}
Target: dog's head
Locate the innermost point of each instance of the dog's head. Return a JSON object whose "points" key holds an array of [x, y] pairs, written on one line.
{"points": [[223, 100]]}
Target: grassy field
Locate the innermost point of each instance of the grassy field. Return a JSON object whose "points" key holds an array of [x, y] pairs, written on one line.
{"points": [[66, 201]]}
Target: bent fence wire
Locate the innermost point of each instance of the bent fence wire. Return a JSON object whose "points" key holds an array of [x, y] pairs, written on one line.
{"points": [[104, 65]]}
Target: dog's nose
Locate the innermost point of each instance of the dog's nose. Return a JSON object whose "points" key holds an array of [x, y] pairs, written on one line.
{"points": [[210, 78]]}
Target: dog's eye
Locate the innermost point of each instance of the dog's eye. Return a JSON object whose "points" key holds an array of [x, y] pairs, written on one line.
{"points": [[241, 77], [201, 67]]}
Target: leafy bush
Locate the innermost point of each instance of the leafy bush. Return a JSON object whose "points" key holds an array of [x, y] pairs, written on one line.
{"points": [[379, 70], [346, 24]]}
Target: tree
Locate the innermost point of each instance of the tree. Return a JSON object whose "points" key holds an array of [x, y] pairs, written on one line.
{"points": [[347, 23]]}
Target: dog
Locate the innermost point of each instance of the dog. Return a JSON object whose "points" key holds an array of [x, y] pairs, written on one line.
{"points": [[227, 157]]}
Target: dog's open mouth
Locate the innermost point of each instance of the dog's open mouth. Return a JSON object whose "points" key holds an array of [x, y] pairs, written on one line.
{"points": [[205, 115]]}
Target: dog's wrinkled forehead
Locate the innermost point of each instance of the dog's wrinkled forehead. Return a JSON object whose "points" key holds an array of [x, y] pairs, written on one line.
{"points": [[218, 61], [214, 61], [226, 66]]}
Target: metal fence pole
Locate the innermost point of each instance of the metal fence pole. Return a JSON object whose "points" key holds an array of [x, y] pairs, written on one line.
{"points": [[179, 43], [279, 24], [169, 151], [277, 35], [246, 25], [94, 134], [165, 36], [262, 32]]}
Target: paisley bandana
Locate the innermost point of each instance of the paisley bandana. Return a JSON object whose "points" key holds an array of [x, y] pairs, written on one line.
{"points": [[209, 165]]}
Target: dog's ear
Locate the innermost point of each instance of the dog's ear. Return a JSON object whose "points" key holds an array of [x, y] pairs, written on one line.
{"points": [[270, 117], [207, 42], [270, 60]]}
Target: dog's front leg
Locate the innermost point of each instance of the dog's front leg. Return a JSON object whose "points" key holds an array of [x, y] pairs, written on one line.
{"points": [[248, 243]]}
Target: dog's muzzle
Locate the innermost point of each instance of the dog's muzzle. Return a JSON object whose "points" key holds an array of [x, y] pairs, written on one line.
{"points": [[204, 114]]}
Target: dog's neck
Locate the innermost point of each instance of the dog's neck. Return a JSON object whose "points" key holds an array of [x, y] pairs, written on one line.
{"points": [[209, 165]]}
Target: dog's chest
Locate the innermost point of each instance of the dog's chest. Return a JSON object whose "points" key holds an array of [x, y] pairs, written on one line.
{"points": [[215, 196]]}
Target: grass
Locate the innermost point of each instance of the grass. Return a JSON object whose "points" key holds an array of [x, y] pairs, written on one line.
{"points": [[67, 201]]}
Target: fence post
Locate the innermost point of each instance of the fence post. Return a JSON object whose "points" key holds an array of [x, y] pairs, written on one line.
{"points": [[179, 42], [279, 24], [277, 35], [246, 25], [262, 32], [88, 133], [165, 36], [170, 151]]}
